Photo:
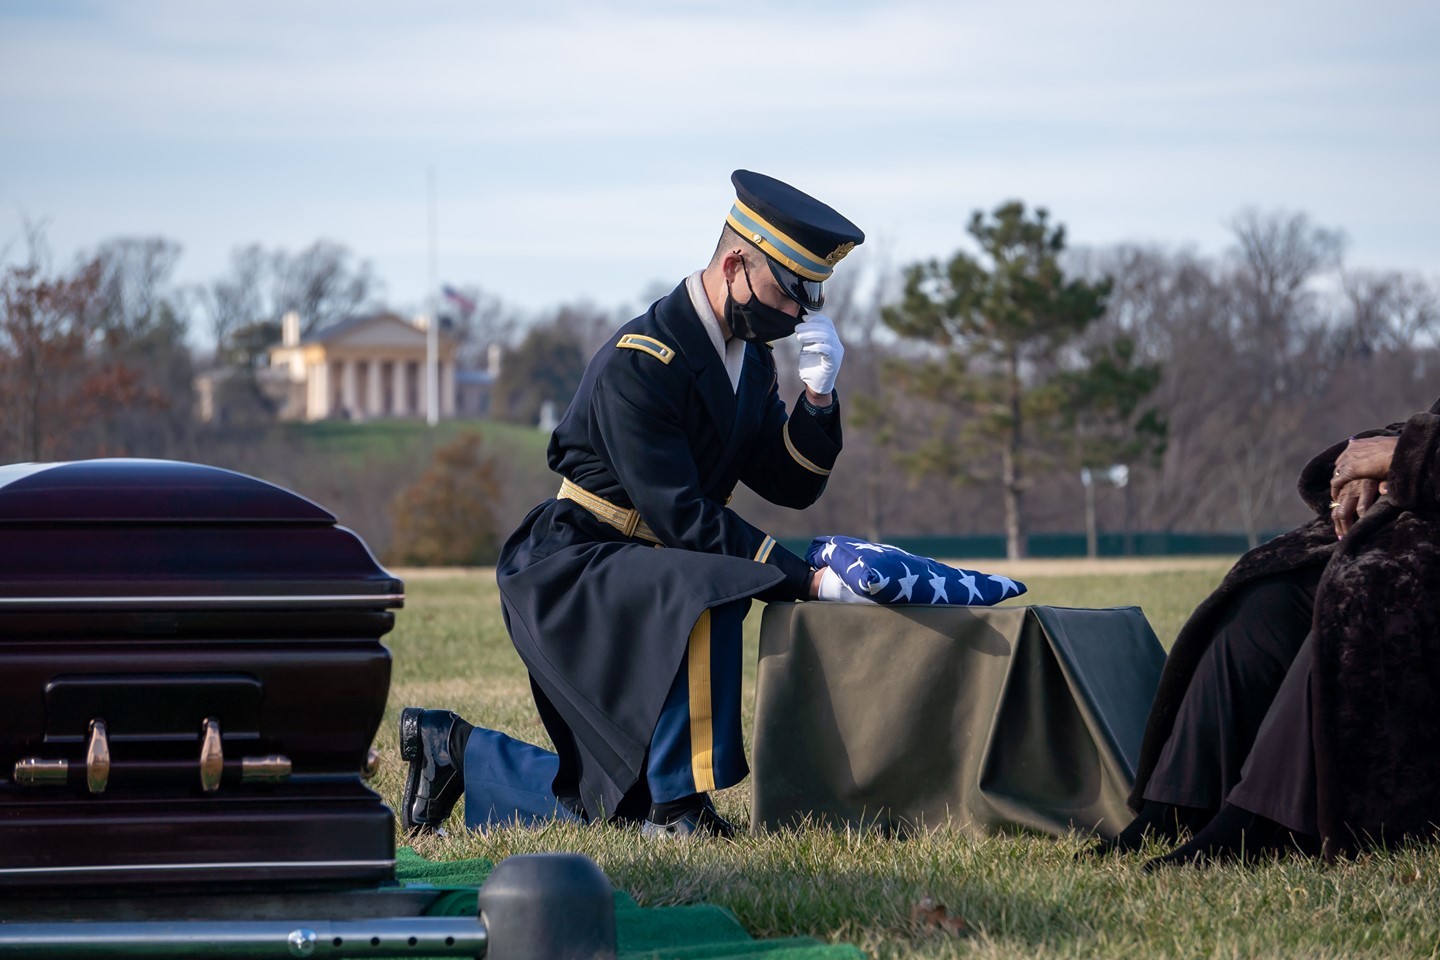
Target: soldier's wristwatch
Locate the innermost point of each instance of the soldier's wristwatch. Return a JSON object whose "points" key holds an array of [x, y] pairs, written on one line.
{"points": [[821, 412]]}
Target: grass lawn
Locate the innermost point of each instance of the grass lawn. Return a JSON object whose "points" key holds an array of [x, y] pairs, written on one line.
{"points": [[406, 440], [1019, 896]]}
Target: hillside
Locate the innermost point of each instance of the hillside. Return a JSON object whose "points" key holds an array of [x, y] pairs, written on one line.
{"points": [[355, 470]]}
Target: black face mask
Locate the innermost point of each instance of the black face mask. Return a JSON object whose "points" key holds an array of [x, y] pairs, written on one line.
{"points": [[755, 321]]}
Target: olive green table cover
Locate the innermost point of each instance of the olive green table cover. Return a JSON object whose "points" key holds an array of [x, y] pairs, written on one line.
{"points": [[985, 718]]}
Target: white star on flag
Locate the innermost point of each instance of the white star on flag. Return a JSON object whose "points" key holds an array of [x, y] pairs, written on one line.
{"points": [[968, 582], [937, 583], [1005, 582], [907, 582]]}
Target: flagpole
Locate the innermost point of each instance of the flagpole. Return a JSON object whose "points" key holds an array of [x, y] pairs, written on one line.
{"points": [[432, 329]]}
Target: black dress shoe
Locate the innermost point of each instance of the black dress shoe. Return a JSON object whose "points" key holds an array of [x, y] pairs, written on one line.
{"points": [[1236, 834], [433, 743], [700, 820]]}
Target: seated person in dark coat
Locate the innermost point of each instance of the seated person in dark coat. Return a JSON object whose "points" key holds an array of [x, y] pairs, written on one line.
{"points": [[1297, 708], [634, 652]]}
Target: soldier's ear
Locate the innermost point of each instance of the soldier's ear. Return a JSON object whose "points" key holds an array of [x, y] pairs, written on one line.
{"points": [[732, 264]]}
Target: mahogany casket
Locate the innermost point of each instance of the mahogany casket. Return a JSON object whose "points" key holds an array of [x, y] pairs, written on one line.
{"points": [[191, 675]]}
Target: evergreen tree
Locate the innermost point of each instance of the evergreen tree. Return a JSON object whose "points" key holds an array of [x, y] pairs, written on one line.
{"points": [[1101, 409], [547, 365], [995, 323]]}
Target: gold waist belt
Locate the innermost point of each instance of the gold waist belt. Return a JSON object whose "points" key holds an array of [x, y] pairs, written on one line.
{"points": [[627, 522]]}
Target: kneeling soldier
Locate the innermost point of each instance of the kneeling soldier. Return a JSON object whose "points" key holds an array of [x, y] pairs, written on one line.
{"points": [[634, 651]]}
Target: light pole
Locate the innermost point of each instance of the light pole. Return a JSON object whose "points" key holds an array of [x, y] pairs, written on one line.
{"points": [[432, 328]]}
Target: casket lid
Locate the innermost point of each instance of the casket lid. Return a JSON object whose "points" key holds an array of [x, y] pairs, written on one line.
{"points": [[145, 491], [165, 535]]}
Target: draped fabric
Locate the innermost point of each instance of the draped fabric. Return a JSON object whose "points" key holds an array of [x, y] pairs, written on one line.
{"points": [[910, 717]]}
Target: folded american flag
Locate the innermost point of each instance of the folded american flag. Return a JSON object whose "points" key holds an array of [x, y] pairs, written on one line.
{"points": [[886, 574]]}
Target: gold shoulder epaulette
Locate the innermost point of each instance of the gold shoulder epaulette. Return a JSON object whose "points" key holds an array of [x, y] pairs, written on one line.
{"points": [[656, 349]]}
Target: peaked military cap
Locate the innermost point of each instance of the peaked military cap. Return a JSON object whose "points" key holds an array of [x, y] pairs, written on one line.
{"points": [[802, 238]]}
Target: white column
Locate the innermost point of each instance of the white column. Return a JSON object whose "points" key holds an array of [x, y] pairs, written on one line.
{"points": [[320, 391], [402, 398], [312, 401], [372, 402], [447, 389], [347, 388]]}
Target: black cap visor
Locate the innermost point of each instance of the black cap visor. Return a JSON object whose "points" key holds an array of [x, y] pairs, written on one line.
{"points": [[808, 293]]}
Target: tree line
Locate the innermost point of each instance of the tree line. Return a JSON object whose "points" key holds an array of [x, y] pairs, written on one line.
{"points": [[1019, 385]]}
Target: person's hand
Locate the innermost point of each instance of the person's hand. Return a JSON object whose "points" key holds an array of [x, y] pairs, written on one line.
{"points": [[1355, 498], [1365, 458], [820, 355], [831, 587]]}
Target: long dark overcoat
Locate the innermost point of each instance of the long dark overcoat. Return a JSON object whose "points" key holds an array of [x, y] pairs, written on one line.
{"points": [[602, 620], [1376, 678]]}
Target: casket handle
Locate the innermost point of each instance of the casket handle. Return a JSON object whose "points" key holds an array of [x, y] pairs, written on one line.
{"points": [[372, 765], [97, 757], [36, 772], [270, 769], [212, 756]]}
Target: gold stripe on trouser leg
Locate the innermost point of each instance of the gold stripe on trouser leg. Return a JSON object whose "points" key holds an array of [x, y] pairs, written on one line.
{"points": [[702, 725]]}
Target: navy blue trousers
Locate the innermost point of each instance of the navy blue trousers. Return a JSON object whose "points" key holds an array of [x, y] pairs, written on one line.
{"points": [[697, 745]]}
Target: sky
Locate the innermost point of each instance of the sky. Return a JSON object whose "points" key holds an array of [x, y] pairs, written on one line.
{"points": [[582, 151]]}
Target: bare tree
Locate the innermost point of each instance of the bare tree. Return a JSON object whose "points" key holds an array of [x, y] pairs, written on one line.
{"points": [[1276, 258], [481, 321], [236, 300], [1280, 369], [590, 326], [1386, 310], [135, 293], [139, 319], [324, 283], [54, 378]]}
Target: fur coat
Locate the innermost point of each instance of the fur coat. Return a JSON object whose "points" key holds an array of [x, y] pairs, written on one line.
{"points": [[1376, 679]]}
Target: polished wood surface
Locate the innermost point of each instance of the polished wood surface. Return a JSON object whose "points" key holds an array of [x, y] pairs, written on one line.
{"points": [[160, 598]]}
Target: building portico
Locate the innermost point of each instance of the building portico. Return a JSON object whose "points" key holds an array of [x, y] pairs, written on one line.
{"points": [[365, 368]]}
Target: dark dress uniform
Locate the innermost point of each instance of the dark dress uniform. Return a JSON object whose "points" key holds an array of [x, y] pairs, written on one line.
{"points": [[624, 594]]}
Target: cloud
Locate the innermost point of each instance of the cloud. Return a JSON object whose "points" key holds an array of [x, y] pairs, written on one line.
{"points": [[607, 129], [355, 71]]}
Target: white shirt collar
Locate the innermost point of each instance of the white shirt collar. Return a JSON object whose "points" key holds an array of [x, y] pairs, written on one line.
{"points": [[732, 354]]}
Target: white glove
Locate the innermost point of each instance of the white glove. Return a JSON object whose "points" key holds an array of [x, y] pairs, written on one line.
{"points": [[833, 588], [820, 352]]}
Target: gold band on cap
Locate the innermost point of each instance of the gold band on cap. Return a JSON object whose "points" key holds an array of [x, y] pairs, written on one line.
{"points": [[778, 245]]}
